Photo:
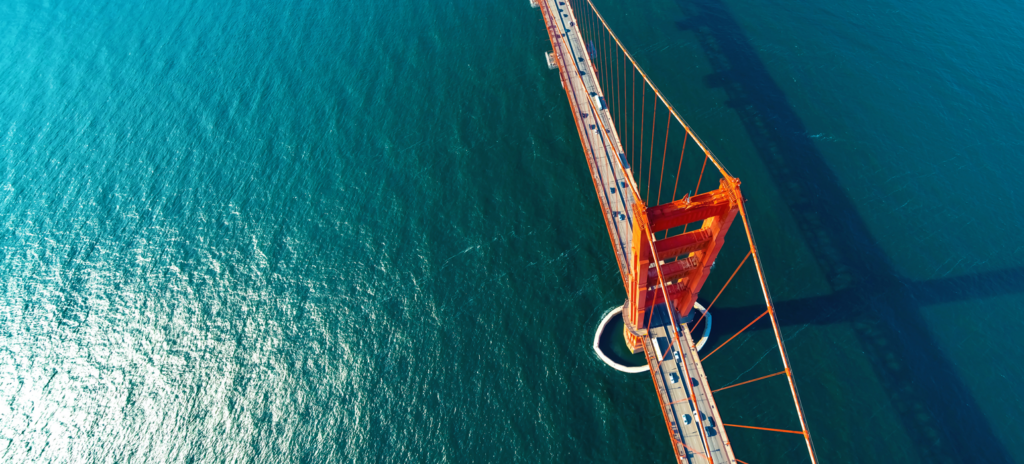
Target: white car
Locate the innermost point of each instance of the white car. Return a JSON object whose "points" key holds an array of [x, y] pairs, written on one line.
{"points": [[672, 376]]}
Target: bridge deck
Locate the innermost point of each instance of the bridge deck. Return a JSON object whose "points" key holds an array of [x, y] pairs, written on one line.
{"points": [[600, 140], [602, 146], [670, 381]]}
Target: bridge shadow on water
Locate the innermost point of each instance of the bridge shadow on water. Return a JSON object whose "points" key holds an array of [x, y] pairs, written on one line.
{"points": [[941, 417]]}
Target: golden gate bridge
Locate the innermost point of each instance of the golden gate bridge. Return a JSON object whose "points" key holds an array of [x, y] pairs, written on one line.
{"points": [[624, 121]]}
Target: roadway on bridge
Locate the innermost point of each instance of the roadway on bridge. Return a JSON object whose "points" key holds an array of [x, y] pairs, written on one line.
{"points": [[601, 142], [671, 382]]}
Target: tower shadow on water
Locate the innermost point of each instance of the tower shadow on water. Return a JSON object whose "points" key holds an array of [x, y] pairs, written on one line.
{"points": [[941, 417]]}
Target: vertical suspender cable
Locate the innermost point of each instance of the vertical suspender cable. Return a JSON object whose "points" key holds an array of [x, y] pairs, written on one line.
{"points": [[632, 119], [650, 162], [618, 83], [593, 39], [584, 20], [612, 73], [587, 19], [680, 168], [610, 76], [643, 101], [596, 39], [599, 48], [577, 15], [585, 28], [633, 103], [624, 105], [664, 152], [697, 190], [614, 96], [609, 73], [614, 76], [595, 59], [604, 61], [589, 24], [619, 87], [591, 46], [604, 52], [686, 136], [622, 102]]}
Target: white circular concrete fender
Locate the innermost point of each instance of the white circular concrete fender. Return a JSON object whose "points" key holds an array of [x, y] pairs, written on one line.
{"points": [[638, 369]]}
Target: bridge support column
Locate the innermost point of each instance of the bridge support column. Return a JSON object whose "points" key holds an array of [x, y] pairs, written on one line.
{"points": [[686, 257]]}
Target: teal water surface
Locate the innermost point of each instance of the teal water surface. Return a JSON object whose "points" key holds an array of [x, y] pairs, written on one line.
{"points": [[365, 232]]}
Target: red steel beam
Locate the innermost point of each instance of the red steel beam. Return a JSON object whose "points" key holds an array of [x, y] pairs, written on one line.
{"points": [[683, 243], [687, 210]]}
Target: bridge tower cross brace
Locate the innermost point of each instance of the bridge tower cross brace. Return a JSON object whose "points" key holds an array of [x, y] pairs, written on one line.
{"points": [[686, 257]]}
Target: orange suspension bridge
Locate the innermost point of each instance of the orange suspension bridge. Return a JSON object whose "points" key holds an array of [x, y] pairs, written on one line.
{"points": [[630, 133]]}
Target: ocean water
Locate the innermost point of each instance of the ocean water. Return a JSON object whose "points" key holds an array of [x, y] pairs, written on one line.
{"points": [[337, 232]]}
